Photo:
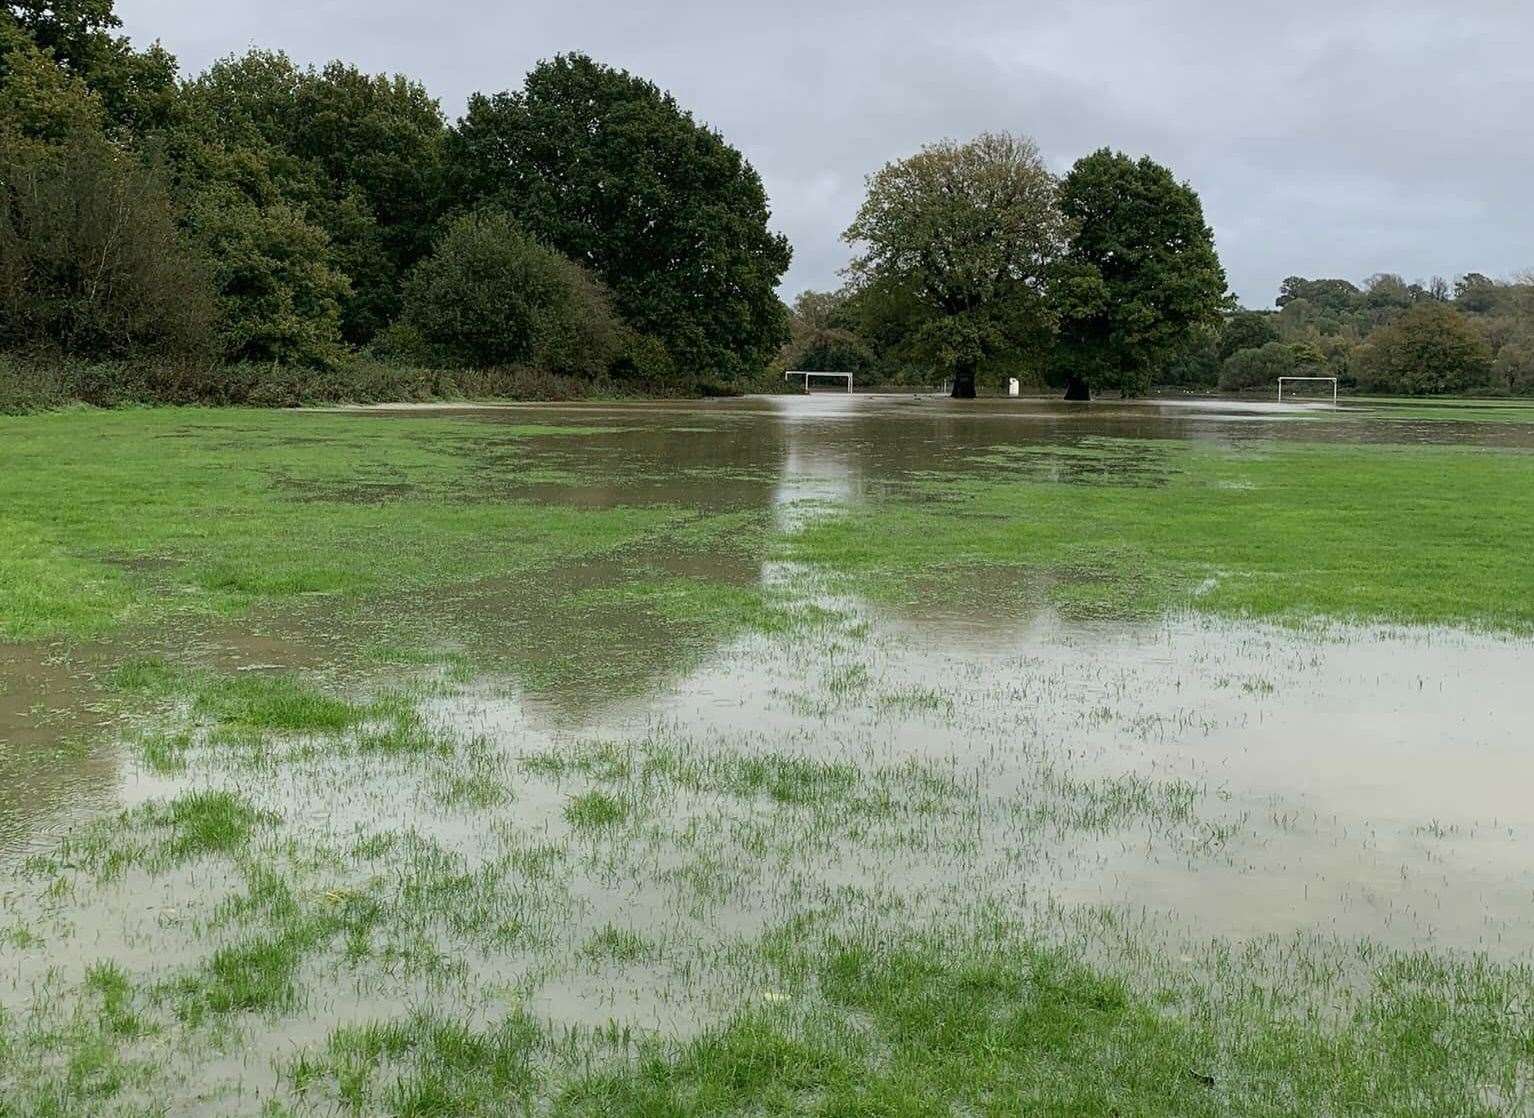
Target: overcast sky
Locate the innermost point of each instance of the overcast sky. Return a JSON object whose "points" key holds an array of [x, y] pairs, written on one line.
{"points": [[1335, 138]]}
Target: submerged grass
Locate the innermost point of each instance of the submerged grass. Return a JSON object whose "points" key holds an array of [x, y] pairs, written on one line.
{"points": [[400, 932], [939, 1024]]}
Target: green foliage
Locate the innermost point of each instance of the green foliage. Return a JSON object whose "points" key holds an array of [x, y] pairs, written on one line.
{"points": [[135, 90], [1513, 369], [1261, 367], [280, 298], [1430, 350], [970, 229], [1140, 277], [357, 155], [91, 262], [607, 169], [491, 295], [41, 101], [1246, 330]]}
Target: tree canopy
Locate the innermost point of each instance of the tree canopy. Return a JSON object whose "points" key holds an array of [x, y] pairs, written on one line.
{"points": [[969, 229], [608, 169], [1431, 349], [1140, 277]]}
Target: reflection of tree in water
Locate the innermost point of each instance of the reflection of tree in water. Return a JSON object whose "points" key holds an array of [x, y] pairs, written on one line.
{"points": [[580, 638]]}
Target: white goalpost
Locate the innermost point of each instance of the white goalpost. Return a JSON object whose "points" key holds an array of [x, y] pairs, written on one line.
{"points": [[1281, 381], [807, 374]]}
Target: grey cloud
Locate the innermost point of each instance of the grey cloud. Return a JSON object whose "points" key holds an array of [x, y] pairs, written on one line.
{"points": [[1327, 138]]}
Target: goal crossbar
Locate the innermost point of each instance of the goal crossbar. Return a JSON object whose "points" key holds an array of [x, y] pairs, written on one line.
{"points": [[808, 373], [1281, 381]]}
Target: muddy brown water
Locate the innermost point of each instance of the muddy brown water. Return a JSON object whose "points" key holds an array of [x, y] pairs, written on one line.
{"points": [[1376, 780]]}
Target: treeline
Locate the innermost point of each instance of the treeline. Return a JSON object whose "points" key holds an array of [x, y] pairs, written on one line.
{"points": [[1475, 336], [973, 262], [268, 233]]}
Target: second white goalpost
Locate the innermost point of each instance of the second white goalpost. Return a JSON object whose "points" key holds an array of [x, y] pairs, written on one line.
{"points": [[1281, 380], [807, 374]]}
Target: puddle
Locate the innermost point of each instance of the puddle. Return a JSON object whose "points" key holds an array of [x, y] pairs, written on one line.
{"points": [[1212, 779]]}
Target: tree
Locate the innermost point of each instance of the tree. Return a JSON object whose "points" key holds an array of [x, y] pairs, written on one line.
{"points": [[358, 155], [970, 229], [1258, 367], [1246, 330], [135, 88], [489, 295], [378, 141], [1335, 294], [1140, 278], [607, 169], [280, 300], [1430, 349], [91, 262]]}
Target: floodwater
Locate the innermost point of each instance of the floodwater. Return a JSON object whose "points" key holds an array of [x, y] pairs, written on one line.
{"points": [[1351, 782]]}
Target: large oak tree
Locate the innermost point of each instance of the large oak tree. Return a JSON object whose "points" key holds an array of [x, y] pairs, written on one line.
{"points": [[1140, 281], [971, 229]]}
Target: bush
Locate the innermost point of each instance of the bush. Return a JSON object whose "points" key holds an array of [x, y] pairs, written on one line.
{"points": [[489, 295], [1430, 350], [279, 299], [91, 262], [1259, 368]]}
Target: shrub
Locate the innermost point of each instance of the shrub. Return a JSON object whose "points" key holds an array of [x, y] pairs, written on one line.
{"points": [[91, 262], [489, 295], [1429, 350], [1258, 368]]}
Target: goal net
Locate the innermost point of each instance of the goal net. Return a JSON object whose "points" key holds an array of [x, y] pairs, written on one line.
{"points": [[807, 374], [1307, 388]]}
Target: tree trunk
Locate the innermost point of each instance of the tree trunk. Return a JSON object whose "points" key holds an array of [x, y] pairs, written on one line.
{"points": [[1076, 388], [964, 380]]}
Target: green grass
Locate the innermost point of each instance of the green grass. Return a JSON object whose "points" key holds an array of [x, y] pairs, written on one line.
{"points": [[1409, 534], [595, 810], [209, 822], [423, 1066], [114, 517], [998, 1025], [1461, 410]]}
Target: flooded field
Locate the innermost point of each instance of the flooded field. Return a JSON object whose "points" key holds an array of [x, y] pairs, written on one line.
{"points": [[832, 754]]}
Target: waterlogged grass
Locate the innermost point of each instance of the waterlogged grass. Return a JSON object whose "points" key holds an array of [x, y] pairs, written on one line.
{"points": [[111, 517], [1408, 534], [712, 608], [359, 896], [424, 1065], [1464, 411], [954, 1023]]}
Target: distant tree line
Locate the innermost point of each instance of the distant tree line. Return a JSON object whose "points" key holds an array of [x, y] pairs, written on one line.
{"points": [[973, 263], [266, 231], [1474, 336]]}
